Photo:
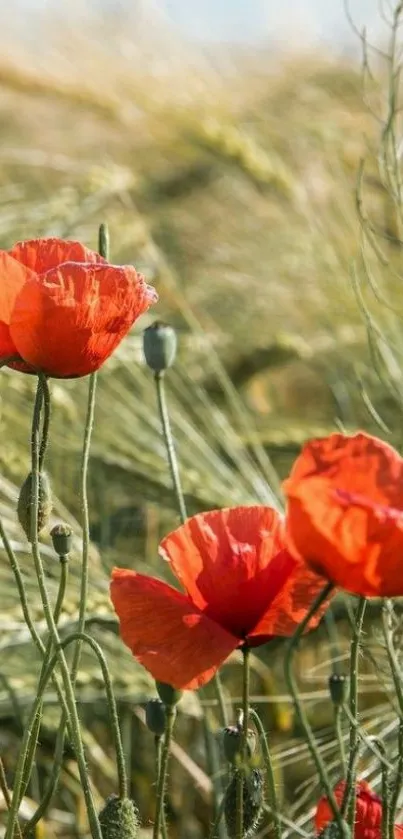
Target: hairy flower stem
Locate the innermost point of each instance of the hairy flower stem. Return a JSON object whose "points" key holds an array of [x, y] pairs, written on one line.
{"points": [[300, 711], [215, 829], [348, 805], [158, 750], [58, 755], [244, 743], [169, 444], [114, 719], [83, 637], [7, 796], [70, 701], [170, 713], [270, 777], [180, 499], [388, 828], [338, 713], [387, 615], [31, 746]]}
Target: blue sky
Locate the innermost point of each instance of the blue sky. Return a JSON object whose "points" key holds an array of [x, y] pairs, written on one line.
{"points": [[308, 20], [284, 22]]}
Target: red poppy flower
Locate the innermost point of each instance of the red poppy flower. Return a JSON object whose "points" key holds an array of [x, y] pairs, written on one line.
{"points": [[63, 308], [368, 812], [345, 513], [241, 587]]}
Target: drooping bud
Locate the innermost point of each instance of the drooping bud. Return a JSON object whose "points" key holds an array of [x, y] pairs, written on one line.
{"points": [[232, 743], [25, 502], [155, 716], [338, 688], [168, 694], [252, 794], [119, 819], [159, 346], [62, 538]]}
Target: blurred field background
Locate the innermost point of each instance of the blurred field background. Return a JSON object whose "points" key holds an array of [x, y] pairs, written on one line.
{"points": [[227, 171]]}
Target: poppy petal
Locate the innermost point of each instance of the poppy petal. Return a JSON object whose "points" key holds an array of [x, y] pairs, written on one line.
{"points": [[345, 513], [7, 346], [70, 320], [13, 276], [361, 464], [166, 632], [291, 604], [226, 560], [368, 811], [43, 254], [357, 545]]}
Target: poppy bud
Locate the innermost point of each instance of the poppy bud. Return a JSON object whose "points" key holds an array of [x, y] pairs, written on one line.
{"points": [[103, 241], [25, 500], [62, 537], [155, 717], [232, 743], [252, 794], [338, 688], [119, 819], [168, 694], [159, 346]]}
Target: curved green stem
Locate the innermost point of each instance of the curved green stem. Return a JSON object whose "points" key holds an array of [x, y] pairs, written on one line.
{"points": [[348, 805], [7, 796], [70, 701], [46, 421], [170, 714], [89, 424], [271, 781], [111, 702], [33, 739], [397, 682], [120, 760], [299, 708], [58, 756]]}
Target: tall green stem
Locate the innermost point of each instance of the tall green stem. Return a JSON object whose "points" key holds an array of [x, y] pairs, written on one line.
{"points": [[31, 745], [270, 777], [54, 636], [299, 708], [387, 615], [240, 778], [348, 805], [169, 444], [170, 713]]}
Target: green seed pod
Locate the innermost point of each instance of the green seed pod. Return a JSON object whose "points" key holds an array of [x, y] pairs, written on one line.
{"points": [[45, 503], [252, 803], [155, 716], [159, 346], [62, 538], [119, 819], [168, 694], [232, 743], [338, 688]]}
